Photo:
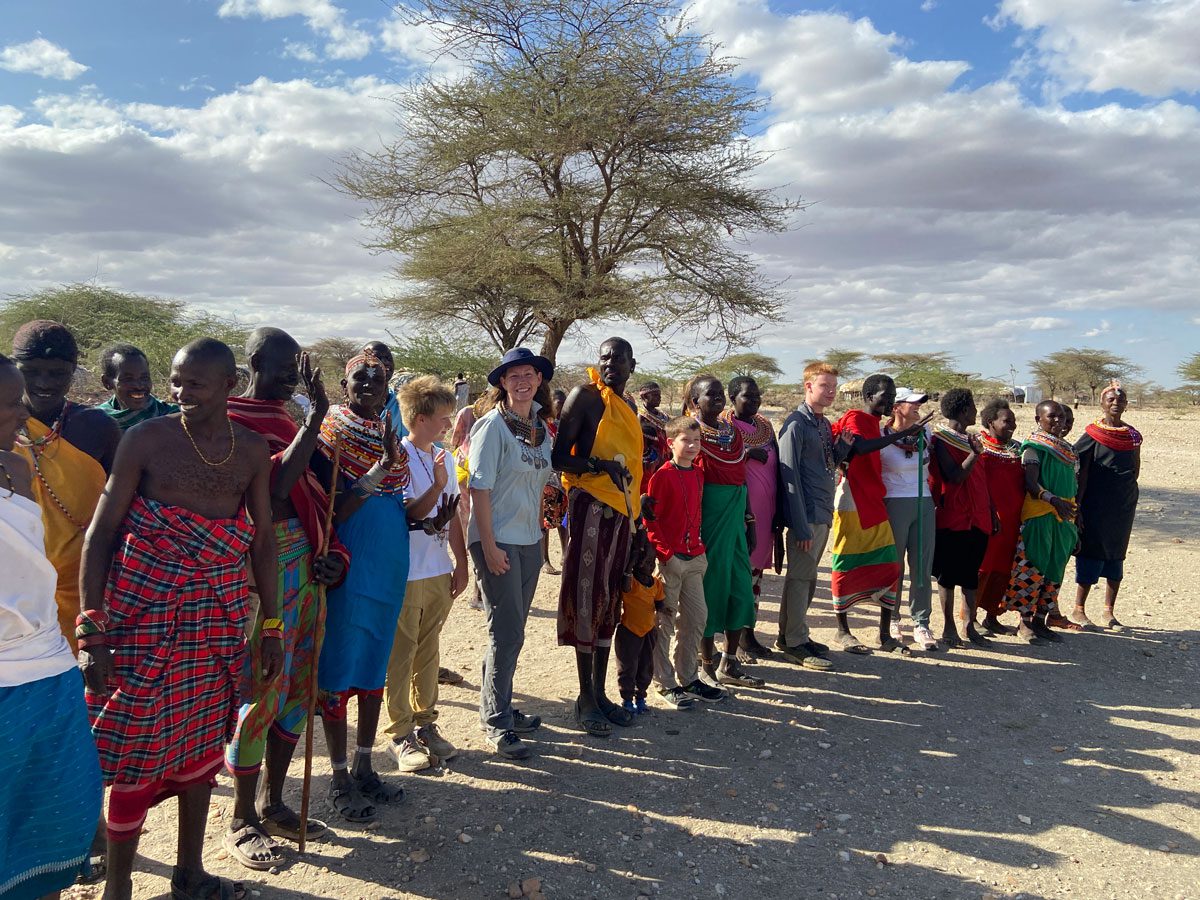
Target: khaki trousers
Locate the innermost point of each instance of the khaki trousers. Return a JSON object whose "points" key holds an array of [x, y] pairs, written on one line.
{"points": [[683, 618], [412, 676], [800, 585]]}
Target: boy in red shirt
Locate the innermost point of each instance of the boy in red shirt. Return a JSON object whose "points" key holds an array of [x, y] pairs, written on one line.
{"points": [[675, 493]]}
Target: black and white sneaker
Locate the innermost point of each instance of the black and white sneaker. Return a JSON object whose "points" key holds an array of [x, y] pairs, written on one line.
{"points": [[677, 697], [705, 692]]}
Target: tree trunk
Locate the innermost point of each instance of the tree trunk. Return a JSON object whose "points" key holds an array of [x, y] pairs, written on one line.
{"points": [[556, 330]]}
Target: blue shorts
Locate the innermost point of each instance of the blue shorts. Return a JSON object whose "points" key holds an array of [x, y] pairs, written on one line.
{"points": [[1090, 571]]}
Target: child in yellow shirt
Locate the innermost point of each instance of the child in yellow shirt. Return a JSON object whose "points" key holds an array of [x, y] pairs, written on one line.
{"points": [[633, 642]]}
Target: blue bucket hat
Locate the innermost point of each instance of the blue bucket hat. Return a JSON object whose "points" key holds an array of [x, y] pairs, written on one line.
{"points": [[521, 356]]}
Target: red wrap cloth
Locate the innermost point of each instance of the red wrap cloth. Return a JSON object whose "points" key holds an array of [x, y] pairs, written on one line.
{"points": [[866, 470], [270, 419]]}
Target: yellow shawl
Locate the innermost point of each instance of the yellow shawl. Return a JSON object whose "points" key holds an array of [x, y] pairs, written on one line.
{"points": [[77, 479], [618, 432]]}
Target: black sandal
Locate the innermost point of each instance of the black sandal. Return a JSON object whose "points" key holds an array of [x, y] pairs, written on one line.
{"points": [[234, 843], [351, 805], [375, 788], [594, 723], [210, 887]]}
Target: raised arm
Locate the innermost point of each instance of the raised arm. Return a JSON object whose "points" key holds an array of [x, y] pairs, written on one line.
{"points": [[861, 446], [295, 459]]}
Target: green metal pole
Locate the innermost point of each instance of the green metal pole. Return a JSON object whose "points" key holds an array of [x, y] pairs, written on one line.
{"points": [[919, 579]]}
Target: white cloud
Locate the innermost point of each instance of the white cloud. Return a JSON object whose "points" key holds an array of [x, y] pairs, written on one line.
{"points": [[343, 40], [300, 51], [821, 62], [42, 58], [1151, 47], [222, 205], [1103, 328]]}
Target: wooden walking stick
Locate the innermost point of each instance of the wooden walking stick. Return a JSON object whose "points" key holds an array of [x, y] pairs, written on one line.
{"points": [[627, 575], [317, 638]]}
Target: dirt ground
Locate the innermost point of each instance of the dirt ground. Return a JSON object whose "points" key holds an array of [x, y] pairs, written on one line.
{"points": [[1066, 770]]}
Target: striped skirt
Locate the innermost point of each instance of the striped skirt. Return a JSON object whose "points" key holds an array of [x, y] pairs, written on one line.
{"points": [[865, 565]]}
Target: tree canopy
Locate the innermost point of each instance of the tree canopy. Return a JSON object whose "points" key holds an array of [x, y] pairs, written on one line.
{"points": [[588, 164], [1076, 368], [849, 363], [100, 317]]}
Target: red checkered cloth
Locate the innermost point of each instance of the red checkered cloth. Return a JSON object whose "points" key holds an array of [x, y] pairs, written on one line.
{"points": [[178, 601]]}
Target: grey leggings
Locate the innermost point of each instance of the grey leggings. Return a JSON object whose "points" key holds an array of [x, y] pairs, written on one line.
{"points": [[902, 514], [506, 600]]}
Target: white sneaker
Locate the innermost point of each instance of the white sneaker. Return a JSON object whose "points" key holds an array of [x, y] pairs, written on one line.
{"points": [[924, 638], [410, 755], [896, 631]]}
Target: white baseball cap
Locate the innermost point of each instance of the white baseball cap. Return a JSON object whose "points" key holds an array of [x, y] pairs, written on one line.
{"points": [[908, 395]]}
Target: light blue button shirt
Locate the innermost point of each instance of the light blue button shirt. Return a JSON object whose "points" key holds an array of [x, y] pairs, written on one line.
{"points": [[498, 465]]}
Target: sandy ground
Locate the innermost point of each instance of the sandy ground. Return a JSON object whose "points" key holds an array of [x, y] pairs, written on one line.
{"points": [[1067, 770]]}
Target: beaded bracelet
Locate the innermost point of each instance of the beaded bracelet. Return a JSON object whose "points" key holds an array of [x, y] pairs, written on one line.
{"points": [[273, 624], [91, 640], [91, 621], [276, 633]]}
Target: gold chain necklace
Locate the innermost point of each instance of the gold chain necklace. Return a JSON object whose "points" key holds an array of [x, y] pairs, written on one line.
{"points": [[203, 459]]}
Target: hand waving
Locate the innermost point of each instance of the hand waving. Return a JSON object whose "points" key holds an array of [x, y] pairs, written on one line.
{"points": [[313, 385]]}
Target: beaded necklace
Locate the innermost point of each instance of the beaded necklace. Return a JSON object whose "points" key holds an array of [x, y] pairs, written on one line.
{"points": [[39, 446], [361, 446], [763, 434], [530, 434], [992, 447], [825, 430], [718, 442]]}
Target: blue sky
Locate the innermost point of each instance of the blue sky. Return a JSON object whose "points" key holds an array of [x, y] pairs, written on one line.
{"points": [[999, 179]]}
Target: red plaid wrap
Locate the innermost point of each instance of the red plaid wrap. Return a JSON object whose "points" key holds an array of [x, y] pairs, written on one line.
{"points": [[178, 601]]}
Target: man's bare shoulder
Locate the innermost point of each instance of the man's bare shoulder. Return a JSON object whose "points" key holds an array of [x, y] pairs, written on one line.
{"points": [[250, 440]]}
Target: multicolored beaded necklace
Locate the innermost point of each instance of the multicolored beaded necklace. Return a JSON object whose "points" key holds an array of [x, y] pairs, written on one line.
{"points": [[763, 434], [718, 442]]}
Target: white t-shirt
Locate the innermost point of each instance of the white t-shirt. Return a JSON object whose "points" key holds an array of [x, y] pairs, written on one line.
{"points": [[428, 556], [900, 475]]}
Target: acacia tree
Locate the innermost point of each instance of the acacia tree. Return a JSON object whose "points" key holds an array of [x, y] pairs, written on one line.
{"points": [[847, 362], [1075, 368], [100, 316], [1189, 371], [589, 163]]}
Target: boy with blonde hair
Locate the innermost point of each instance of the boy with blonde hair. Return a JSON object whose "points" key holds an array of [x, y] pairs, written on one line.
{"points": [[434, 581]]}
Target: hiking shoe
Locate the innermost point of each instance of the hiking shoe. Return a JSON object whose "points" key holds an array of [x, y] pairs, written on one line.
{"points": [[640, 705], [924, 638], [816, 649], [523, 724], [410, 755], [705, 692], [677, 697], [431, 739], [509, 745], [449, 676]]}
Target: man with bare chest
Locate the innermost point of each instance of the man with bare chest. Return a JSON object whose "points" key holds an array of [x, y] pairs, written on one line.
{"points": [[274, 713], [161, 633], [599, 451]]}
